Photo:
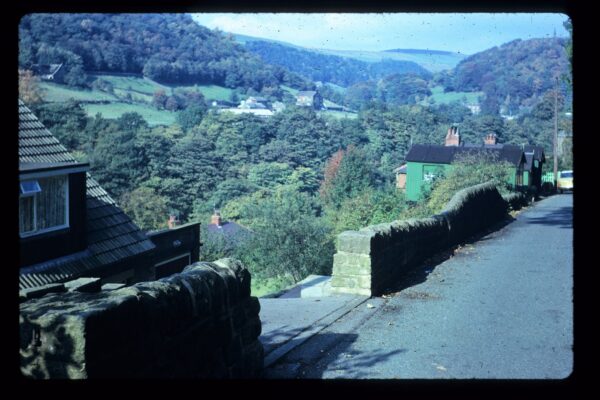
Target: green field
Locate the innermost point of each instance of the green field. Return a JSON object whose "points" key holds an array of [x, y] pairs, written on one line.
{"points": [[292, 91], [115, 110], [134, 84], [210, 92], [440, 97], [135, 96], [339, 114], [54, 93], [144, 88], [337, 88]]}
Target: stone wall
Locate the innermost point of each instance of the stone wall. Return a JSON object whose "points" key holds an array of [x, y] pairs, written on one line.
{"points": [[372, 259], [201, 323]]}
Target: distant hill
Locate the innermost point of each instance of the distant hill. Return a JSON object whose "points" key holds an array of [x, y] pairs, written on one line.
{"points": [[422, 51], [512, 74], [168, 48], [431, 60], [342, 71]]}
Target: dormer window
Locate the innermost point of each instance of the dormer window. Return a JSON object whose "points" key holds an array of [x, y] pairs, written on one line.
{"points": [[43, 205]]}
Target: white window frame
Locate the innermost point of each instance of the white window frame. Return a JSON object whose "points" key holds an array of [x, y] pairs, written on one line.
{"points": [[35, 231]]}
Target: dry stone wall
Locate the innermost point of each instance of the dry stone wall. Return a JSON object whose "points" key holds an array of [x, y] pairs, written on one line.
{"points": [[201, 323], [372, 259]]}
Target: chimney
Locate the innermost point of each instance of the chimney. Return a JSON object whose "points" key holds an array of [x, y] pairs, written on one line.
{"points": [[173, 221], [490, 139], [452, 138], [216, 218]]}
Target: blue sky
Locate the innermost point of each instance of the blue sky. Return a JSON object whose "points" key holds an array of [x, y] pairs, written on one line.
{"points": [[465, 33]]}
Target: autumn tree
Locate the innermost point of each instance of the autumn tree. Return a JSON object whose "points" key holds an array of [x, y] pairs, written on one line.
{"points": [[29, 89], [331, 169]]}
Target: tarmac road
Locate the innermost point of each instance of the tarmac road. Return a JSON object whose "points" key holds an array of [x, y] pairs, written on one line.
{"points": [[498, 308]]}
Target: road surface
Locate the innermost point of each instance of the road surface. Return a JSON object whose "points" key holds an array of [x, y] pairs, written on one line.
{"points": [[498, 308]]}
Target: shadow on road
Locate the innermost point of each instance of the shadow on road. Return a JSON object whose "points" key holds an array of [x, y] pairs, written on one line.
{"points": [[420, 273], [279, 337], [329, 353], [563, 218]]}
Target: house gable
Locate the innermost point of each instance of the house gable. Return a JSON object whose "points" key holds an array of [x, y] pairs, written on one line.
{"points": [[104, 241]]}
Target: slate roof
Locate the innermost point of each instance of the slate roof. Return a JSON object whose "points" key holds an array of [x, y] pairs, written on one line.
{"points": [[230, 230], [111, 234], [306, 93], [36, 144], [528, 161], [538, 152], [436, 154]]}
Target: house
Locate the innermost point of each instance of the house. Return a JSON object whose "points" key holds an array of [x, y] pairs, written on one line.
{"points": [[254, 103], [222, 104], [309, 99], [176, 247], [70, 227], [48, 72], [231, 233], [426, 162], [533, 170], [278, 106], [474, 108]]}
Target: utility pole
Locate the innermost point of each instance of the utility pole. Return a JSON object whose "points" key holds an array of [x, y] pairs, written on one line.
{"points": [[555, 145]]}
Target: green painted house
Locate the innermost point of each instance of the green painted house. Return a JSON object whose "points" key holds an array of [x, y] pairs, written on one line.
{"points": [[426, 162]]}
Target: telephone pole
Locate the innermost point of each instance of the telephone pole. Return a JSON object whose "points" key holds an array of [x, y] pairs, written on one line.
{"points": [[555, 144]]}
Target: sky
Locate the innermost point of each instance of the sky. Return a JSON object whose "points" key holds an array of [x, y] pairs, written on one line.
{"points": [[466, 33]]}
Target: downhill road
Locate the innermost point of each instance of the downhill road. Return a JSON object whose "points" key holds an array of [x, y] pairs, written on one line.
{"points": [[500, 307]]}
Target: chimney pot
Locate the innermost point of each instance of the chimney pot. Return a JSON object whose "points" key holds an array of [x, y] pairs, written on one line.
{"points": [[216, 218], [173, 221], [452, 138], [490, 139]]}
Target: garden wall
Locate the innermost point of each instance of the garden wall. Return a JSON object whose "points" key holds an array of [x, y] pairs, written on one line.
{"points": [[201, 323], [372, 259]]}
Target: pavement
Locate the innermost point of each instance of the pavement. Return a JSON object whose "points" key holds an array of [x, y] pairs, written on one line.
{"points": [[500, 307]]}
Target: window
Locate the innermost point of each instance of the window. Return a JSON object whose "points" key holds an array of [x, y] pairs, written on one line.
{"points": [[43, 205], [566, 174]]}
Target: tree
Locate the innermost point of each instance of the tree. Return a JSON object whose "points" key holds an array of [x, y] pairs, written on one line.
{"points": [[29, 89], [191, 116], [172, 104], [159, 99], [569, 46], [353, 175], [194, 166], [68, 121], [288, 240], [303, 179], [268, 175], [119, 164], [331, 169], [468, 170], [367, 208], [147, 208]]}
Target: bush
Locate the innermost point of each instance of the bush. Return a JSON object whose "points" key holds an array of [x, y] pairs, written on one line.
{"points": [[469, 169]]}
